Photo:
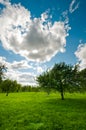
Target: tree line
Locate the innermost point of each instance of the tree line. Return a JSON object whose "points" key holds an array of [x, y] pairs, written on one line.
{"points": [[10, 86], [62, 78], [7, 85]]}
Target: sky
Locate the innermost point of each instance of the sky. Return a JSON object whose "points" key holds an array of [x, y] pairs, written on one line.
{"points": [[36, 34]]}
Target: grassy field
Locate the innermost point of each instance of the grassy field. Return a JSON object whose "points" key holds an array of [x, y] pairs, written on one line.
{"points": [[38, 111]]}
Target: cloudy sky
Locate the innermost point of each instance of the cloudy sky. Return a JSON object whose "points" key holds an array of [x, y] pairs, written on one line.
{"points": [[36, 34]]}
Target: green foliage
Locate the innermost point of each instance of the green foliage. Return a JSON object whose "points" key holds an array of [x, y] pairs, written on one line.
{"points": [[65, 75], [61, 77], [8, 86], [45, 81], [30, 88], [37, 111]]}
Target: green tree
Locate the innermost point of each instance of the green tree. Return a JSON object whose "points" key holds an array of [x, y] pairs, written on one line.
{"points": [[2, 70], [65, 77], [61, 77], [45, 81], [8, 86]]}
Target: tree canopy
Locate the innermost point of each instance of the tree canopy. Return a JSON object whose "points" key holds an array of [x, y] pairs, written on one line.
{"points": [[61, 77]]}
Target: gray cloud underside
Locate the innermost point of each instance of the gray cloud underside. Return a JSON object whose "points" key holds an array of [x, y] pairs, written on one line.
{"points": [[35, 39], [15, 71]]}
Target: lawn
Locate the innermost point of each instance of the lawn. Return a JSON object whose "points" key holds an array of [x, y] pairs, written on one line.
{"points": [[39, 111]]}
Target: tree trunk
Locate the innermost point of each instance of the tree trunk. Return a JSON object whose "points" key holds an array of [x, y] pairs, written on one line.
{"points": [[7, 94], [62, 92], [62, 95]]}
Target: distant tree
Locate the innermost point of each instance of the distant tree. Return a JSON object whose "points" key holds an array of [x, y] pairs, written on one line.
{"points": [[8, 86], [15, 87], [35, 89], [2, 71], [61, 77], [19, 86], [29, 88], [24, 89]]}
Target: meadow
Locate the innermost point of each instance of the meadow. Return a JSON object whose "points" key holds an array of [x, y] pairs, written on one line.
{"points": [[39, 111]]}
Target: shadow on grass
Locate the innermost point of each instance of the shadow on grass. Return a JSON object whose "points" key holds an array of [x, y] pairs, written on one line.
{"points": [[68, 103]]}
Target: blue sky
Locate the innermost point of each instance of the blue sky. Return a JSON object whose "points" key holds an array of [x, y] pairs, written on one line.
{"points": [[34, 35]]}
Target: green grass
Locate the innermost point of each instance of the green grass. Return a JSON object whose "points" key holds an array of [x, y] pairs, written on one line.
{"points": [[38, 111]]}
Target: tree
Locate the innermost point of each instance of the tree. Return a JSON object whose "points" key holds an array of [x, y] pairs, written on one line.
{"points": [[45, 81], [61, 77], [2, 70], [8, 86], [65, 77]]}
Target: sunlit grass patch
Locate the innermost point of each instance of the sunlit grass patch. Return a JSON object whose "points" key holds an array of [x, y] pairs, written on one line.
{"points": [[39, 111]]}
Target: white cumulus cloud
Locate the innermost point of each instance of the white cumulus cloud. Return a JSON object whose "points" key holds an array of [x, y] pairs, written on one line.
{"points": [[36, 39], [73, 6], [23, 64], [81, 55], [15, 71]]}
